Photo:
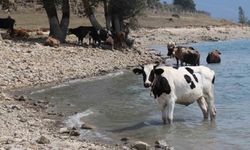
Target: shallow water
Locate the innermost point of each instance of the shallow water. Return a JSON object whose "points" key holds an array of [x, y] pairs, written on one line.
{"points": [[119, 106]]}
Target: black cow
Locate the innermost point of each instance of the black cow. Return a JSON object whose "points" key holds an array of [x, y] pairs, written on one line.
{"points": [[81, 32], [7, 23]]}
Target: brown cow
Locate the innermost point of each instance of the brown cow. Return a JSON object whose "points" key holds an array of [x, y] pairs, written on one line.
{"points": [[20, 33], [120, 40], [214, 57], [185, 54], [53, 42]]}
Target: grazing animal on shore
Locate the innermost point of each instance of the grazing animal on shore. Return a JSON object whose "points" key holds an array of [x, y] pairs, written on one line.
{"points": [[214, 57], [20, 33], [120, 40], [81, 32], [52, 42], [184, 85], [183, 54], [7, 23], [99, 35]]}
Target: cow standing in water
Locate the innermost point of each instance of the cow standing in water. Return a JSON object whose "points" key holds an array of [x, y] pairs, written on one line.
{"points": [[213, 57], [184, 85], [184, 54]]}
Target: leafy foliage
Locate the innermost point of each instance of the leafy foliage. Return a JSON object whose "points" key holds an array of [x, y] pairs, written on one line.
{"points": [[188, 5], [127, 8], [153, 3]]}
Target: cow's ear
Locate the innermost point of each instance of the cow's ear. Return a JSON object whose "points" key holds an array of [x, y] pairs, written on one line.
{"points": [[157, 63], [159, 71], [137, 71]]}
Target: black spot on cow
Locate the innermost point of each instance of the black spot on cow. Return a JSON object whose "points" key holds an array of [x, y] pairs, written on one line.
{"points": [[196, 79], [192, 86], [188, 78], [213, 80], [191, 71], [160, 86], [189, 81]]}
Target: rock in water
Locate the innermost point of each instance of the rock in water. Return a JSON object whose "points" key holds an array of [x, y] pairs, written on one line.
{"points": [[139, 145]]}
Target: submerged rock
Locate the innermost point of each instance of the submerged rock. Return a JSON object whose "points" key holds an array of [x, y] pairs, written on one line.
{"points": [[87, 126], [139, 145]]}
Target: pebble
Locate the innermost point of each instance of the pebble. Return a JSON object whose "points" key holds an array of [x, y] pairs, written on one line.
{"points": [[43, 140]]}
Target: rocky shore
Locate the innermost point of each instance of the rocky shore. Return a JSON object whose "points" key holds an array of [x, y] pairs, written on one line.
{"points": [[25, 124]]}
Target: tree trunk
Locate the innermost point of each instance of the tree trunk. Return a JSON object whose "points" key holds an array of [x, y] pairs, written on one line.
{"points": [[58, 31], [107, 14], [94, 21], [91, 15], [64, 24], [116, 23]]}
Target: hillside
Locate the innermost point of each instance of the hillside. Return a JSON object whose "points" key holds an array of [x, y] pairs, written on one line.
{"points": [[149, 19]]}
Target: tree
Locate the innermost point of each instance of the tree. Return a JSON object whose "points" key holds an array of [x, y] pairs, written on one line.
{"points": [[116, 11], [89, 10], [248, 22], [124, 9], [153, 3], [188, 5], [57, 29], [242, 17]]}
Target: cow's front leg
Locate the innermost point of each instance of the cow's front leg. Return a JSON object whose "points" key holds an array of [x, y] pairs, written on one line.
{"points": [[163, 114], [177, 61], [170, 111]]}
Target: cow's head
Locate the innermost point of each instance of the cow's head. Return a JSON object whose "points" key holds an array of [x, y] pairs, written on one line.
{"points": [[70, 31], [147, 72], [217, 52], [171, 46]]}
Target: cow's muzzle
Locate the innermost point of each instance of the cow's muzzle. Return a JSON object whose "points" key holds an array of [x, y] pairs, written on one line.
{"points": [[147, 85]]}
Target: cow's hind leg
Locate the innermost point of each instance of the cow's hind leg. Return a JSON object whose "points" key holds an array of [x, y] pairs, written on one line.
{"points": [[211, 106], [163, 115], [204, 107]]}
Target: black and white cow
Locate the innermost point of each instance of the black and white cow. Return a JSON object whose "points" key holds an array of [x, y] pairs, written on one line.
{"points": [[184, 85]]}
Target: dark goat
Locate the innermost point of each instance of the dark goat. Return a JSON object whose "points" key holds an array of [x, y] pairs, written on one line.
{"points": [[81, 32], [100, 35], [7, 23]]}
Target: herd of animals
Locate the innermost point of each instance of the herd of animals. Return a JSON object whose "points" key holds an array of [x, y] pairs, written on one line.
{"points": [[96, 36], [169, 85]]}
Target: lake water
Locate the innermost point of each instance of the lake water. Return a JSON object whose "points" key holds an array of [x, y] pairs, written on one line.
{"points": [[119, 106]]}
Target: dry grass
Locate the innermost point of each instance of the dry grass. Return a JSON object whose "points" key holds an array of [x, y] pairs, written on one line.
{"points": [[32, 19], [157, 20]]}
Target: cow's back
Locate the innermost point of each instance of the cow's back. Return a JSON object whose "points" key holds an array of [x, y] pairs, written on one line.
{"points": [[188, 84]]}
